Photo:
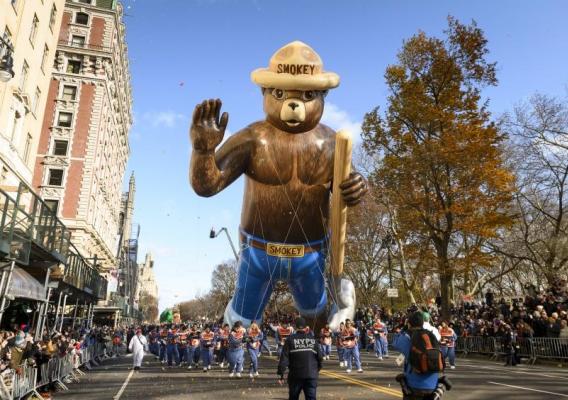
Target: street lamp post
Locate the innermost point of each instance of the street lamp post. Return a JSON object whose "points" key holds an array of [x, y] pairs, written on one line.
{"points": [[213, 235], [6, 60]]}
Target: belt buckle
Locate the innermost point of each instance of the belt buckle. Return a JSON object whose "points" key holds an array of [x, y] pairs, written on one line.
{"points": [[285, 250]]}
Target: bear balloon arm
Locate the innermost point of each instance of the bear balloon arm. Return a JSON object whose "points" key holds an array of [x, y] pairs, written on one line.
{"points": [[210, 172], [353, 189]]}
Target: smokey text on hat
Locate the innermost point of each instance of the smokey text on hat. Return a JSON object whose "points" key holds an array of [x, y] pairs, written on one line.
{"points": [[296, 69]]}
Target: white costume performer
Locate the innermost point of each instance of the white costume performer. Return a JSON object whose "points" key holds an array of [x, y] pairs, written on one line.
{"points": [[136, 346]]}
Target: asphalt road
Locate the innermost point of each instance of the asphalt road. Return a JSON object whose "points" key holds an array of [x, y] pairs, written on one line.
{"points": [[473, 379]]}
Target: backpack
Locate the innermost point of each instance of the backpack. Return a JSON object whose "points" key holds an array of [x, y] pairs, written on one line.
{"points": [[425, 355]]}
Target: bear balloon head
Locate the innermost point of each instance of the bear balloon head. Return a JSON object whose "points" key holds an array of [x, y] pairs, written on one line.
{"points": [[293, 111], [294, 87]]}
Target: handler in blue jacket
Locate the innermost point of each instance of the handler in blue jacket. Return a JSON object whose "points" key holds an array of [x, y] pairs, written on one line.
{"points": [[422, 385]]}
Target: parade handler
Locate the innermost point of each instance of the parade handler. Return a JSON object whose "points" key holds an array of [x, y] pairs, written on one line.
{"points": [[288, 163], [137, 346]]}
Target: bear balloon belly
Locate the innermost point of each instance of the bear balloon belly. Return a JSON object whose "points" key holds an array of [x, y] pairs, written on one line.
{"points": [[289, 213]]}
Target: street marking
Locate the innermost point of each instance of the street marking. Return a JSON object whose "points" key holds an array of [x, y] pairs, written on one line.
{"points": [[367, 385], [526, 388], [117, 397], [533, 372]]}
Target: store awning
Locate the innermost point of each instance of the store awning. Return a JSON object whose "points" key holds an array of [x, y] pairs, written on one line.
{"points": [[23, 285]]}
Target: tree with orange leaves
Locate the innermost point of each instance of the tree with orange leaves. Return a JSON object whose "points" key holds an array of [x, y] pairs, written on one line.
{"points": [[440, 155]]}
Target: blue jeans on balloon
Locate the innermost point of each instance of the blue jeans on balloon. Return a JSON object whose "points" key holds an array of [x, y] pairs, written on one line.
{"points": [[259, 273]]}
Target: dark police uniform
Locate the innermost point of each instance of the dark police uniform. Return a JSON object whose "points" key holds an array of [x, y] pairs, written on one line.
{"points": [[302, 356]]}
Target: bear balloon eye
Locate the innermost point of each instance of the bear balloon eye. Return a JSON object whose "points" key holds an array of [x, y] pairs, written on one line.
{"points": [[308, 95], [278, 94]]}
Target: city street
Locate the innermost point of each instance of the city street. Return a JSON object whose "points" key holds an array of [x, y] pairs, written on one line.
{"points": [[473, 379]]}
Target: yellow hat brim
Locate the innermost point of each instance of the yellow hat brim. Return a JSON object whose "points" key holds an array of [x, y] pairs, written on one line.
{"points": [[265, 78]]}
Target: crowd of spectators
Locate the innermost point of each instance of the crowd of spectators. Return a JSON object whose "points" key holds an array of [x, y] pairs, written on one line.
{"points": [[537, 314], [19, 349]]}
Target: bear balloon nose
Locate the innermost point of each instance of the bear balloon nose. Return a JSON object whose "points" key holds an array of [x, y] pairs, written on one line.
{"points": [[293, 106]]}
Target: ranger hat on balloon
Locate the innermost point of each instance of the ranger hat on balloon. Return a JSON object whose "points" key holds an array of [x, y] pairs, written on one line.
{"points": [[296, 66]]}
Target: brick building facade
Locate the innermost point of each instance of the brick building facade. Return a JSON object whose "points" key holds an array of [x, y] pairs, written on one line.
{"points": [[83, 148]]}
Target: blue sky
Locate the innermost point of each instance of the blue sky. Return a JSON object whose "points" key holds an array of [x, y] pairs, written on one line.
{"points": [[184, 51]]}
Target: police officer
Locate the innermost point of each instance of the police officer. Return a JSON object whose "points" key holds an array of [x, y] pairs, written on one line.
{"points": [[301, 354]]}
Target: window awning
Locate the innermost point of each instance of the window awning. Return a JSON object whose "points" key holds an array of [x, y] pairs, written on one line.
{"points": [[23, 285]]}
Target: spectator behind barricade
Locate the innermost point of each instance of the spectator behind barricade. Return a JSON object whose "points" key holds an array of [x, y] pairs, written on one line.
{"points": [[17, 345], [524, 330], [553, 326], [563, 329]]}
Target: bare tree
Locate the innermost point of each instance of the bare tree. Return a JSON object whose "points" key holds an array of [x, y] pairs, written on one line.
{"points": [[365, 257], [539, 131], [223, 282]]}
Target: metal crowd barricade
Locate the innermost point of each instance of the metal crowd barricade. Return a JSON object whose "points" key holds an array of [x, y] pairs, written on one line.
{"points": [[7, 384], [27, 379], [47, 373], [482, 345], [461, 345], [531, 349], [499, 348], [524, 348], [24, 382], [550, 348]]}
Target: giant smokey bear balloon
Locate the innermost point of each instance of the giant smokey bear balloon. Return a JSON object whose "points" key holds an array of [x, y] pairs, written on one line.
{"points": [[287, 160]]}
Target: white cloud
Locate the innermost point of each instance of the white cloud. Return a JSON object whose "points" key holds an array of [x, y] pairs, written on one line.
{"points": [[338, 119], [167, 119]]}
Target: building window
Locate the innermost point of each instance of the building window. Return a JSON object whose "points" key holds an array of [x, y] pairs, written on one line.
{"points": [[85, 1], [53, 205], [82, 18], [44, 58], [64, 119], [33, 32], [60, 147], [53, 17], [73, 66], [55, 177], [24, 76], [15, 126], [27, 148], [35, 101], [78, 41], [69, 93]]}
